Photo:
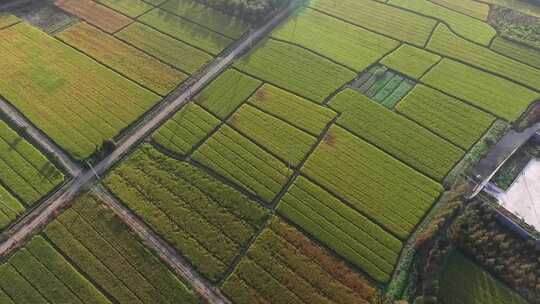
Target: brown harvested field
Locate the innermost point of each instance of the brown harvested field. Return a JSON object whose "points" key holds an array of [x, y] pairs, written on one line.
{"points": [[96, 14]]}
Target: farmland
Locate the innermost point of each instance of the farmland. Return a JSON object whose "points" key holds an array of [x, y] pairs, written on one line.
{"points": [[517, 51], [129, 8], [476, 10], [411, 61], [95, 14]]}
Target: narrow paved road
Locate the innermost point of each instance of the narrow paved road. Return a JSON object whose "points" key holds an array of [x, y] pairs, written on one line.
{"points": [[39, 138], [167, 253], [20, 232]]}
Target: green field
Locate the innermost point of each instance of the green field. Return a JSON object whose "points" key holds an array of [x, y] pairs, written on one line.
{"points": [[395, 134], [450, 118], [91, 260], [280, 138], [380, 18], [24, 171], [342, 228], [207, 221], [479, 287], [284, 266], [374, 183], [6, 20], [293, 109], [186, 129], [130, 8], [517, 51], [474, 9], [207, 17], [446, 43], [186, 31], [73, 99], [227, 92], [295, 69], [123, 58], [10, 208], [172, 51], [411, 61], [239, 159], [467, 27], [490, 93], [335, 39]]}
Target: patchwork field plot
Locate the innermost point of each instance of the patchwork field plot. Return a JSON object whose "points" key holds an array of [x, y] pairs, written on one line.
{"points": [[411, 61], [9, 209], [279, 137], [123, 58], [380, 18], [283, 266], [236, 157], [479, 288], [397, 135], [7, 20], [293, 109], [88, 256], [467, 27], [384, 189], [491, 93], [170, 50], [383, 85], [227, 92], [516, 51], [76, 101], [24, 171], [341, 228], [474, 9], [187, 128], [295, 69], [95, 14], [335, 39], [185, 30], [131, 8], [446, 116], [208, 222], [208, 17], [446, 43]]}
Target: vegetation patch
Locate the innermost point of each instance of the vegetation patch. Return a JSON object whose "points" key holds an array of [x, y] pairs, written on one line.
{"points": [[95, 14], [474, 9], [517, 51], [131, 8], [380, 18], [295, 69], [121, 57], [239, 159], [206, 221], [516, 25], [7, 20], [397, 135], [10, 208], [491, 93], [284, 266], [411, 61], [372, 182]]}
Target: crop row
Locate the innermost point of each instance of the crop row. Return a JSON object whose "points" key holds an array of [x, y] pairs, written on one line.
{"points": [[283, 266], [81, 103], [448, 44], [9, 209], [213, 19], [380, 18], [341, 228], [517, 51], [23, 169], [295, 69], [335, 39], [293, 109], [187, 31], [95, 14], [127, 60], [279, 137], [478, 10], [185, 129], [227, 92], [397, 135], [202, 228], [488, 92], [236, 157], [446, 116], [479, 287], [379, 186], [170, 50], [465, 26], [130, 8], [410, 60]]}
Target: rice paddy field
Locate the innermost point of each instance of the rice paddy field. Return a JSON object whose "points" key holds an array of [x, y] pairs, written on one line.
{"points": [[302, 172]]}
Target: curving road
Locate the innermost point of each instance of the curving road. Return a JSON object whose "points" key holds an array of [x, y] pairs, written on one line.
{"points": [[84, 180]]}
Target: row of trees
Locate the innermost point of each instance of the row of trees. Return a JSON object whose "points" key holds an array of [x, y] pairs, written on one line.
{"points": [[252, 11]]}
